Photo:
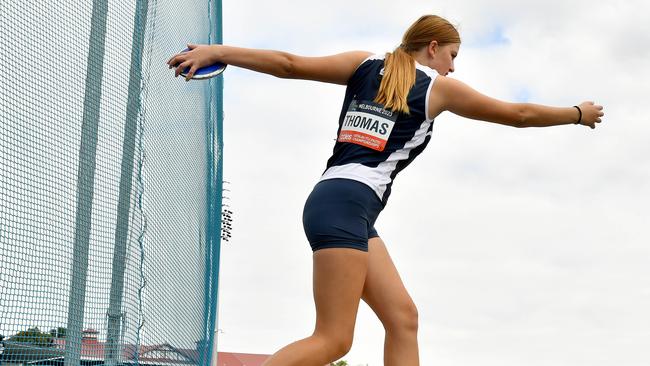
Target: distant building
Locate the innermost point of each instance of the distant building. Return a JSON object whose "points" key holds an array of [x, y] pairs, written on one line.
{"points": [[92, 353]]}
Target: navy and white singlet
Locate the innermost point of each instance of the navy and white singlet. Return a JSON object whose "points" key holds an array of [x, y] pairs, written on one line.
{"points": [[373, 145]]}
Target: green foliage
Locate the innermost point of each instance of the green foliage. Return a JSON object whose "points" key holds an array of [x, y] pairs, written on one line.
{"points": [[58, 332], [339, 363], [33, 336]]}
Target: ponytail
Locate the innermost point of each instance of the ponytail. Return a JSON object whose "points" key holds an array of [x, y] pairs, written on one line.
{"points": [[399, 77]]}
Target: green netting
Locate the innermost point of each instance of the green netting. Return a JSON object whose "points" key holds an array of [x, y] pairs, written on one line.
{"points": [[109, 240]]}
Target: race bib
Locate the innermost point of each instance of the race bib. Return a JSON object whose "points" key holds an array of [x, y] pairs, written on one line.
{"points": [[367, 124]]}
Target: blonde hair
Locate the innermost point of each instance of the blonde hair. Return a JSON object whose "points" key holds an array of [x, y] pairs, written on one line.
{"points": [[399, 66]]}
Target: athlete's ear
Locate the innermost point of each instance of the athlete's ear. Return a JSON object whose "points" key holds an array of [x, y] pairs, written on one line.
{"points": [[432, 48]]}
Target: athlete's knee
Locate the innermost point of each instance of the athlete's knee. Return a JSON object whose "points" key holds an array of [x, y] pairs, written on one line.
{"points": [[403, 319], [342, 346], [335, 345]]}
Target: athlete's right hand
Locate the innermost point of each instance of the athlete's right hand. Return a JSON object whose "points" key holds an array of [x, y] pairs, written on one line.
{"points": [[195, 58], [591, 114]]}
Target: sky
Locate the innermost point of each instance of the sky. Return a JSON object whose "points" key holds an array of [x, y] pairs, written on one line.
{"points": [[518, 246]]}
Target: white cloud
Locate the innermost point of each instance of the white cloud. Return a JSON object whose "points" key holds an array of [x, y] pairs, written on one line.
{"points": [[518, 246]]}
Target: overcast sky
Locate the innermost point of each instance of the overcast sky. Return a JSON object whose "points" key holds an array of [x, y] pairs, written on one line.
{"points": [[519, 246]]}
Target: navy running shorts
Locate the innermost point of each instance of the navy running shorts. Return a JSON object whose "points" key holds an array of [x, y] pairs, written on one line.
{"points": [[341, 213]]}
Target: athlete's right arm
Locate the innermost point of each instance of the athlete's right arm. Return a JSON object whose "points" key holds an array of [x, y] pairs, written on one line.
{"points": [[448, 94], [335, 69]]}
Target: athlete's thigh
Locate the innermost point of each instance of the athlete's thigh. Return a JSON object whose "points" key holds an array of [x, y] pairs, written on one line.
{"points": [[384, 290], [339, 274]]}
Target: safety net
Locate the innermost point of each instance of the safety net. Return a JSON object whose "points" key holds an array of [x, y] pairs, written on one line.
{"points": [[110, 184]]}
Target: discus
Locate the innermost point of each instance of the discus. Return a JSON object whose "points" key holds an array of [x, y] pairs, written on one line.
{"points": [[205, 72]]}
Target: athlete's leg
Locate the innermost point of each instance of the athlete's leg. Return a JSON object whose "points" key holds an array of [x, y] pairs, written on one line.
{"points": [[339, 274], [386, 295]]}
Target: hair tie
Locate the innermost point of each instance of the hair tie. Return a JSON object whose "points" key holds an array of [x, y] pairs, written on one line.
{"points": [[579, 116]]}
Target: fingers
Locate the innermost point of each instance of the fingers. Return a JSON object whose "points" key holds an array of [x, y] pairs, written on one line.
{"points": [[179, 57], [176, 59], [188, 61], [599, 113], [181, 67], [181, 62], [171, 62], [190, 74]]}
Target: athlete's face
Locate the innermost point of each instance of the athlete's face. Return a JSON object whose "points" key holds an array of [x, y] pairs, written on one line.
{"points": [[442, 57]]}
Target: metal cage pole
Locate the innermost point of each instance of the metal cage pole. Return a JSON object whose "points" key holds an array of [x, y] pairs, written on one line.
{"points": [[216, 184], [112, 351], [85, 182]]}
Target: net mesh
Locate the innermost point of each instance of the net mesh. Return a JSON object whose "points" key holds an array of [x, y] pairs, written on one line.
{"points": [[108, 234]]}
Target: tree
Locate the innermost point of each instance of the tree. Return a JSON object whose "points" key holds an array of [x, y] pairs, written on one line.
{"points": [[58, 332], [33, 336]]}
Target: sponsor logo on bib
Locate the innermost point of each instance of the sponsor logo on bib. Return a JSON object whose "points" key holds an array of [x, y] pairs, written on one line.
{"points": [[367, 124]]}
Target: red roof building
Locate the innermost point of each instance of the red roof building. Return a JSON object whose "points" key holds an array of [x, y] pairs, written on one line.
{"points": [[92, 352]]}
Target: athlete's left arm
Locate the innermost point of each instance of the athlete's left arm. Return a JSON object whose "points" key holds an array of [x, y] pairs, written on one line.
{"points": [[448, 94], [336, 69]]}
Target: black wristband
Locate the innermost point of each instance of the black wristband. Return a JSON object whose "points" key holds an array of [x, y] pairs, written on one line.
{"points": [[580, 117]]}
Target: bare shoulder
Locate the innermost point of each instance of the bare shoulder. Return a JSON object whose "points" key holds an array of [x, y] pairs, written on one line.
{"points": [[444, 92]]}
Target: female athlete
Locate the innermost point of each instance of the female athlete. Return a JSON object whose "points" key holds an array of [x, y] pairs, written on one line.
{"points": [[385, 122]]}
